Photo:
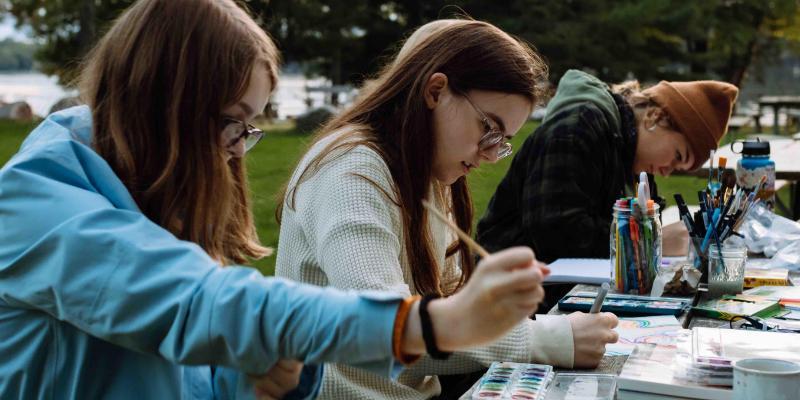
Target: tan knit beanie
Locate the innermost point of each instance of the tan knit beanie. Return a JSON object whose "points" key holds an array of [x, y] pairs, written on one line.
{"points": [[699, 110]]}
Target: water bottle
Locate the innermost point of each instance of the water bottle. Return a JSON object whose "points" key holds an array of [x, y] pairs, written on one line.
{"points": [[754, 164]]}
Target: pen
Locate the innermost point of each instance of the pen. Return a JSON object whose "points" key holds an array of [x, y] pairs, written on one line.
{"points": [[598, 301]]}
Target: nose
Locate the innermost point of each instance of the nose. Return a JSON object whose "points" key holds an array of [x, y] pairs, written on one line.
{"points": [[489, 154]]}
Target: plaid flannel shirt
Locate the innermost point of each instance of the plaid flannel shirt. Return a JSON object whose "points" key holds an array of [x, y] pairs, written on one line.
{"points": [[558, 194]]}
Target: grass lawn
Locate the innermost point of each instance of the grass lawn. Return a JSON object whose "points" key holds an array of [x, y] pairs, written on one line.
{"points": [[272, 161]]}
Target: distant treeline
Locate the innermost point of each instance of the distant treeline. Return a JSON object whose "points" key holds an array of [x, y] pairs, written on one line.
{"points": [[16, 56]]}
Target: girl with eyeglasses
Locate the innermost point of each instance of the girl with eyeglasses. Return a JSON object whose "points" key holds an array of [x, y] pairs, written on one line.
{"points": [[123, 221], [353, 215]]}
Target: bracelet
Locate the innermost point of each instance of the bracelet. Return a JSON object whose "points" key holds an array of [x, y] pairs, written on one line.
{"points": [[399, 328], [427, 329]]}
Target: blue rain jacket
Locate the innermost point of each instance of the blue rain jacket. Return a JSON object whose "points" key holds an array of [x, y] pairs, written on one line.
{"points": [[97, 301]]}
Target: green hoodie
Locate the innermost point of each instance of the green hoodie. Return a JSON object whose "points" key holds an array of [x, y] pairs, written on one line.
{"points": [[577, 87]]}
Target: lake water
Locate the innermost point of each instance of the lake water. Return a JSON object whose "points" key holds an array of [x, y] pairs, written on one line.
{"points": [[42, 91]]}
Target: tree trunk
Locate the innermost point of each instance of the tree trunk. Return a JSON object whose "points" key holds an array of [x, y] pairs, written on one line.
{"points": [[88, 25]]}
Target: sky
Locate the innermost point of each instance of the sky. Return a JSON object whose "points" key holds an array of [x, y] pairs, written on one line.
{"points": [[7, 29]]}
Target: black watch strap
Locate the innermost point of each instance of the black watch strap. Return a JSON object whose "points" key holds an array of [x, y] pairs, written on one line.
{"points": [[428, 334]]}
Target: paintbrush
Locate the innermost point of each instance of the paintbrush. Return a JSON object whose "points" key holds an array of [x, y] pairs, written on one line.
{"points": [[463, 236]]}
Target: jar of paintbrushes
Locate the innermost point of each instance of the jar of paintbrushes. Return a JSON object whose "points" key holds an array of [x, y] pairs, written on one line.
{"points": [[723, 208]]}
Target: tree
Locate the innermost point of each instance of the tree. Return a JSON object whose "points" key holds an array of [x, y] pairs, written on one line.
{"points": [[66, 28], [348, 40], [16, 56]]}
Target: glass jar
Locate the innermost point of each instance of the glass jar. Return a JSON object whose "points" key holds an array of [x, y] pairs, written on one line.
{"points": [[635, 246], [726, 269]]}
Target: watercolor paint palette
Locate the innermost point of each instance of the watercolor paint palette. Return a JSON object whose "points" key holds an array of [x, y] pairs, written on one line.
{"points": [[569, 386], [625, 304], [507, 380]]}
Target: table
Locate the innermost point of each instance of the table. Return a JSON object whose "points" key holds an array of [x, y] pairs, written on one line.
{"points": [[776, 103], [613, 364], [785, 153]]}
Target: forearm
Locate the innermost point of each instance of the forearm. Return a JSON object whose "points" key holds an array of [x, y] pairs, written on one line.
{"points": [[443, 314]]}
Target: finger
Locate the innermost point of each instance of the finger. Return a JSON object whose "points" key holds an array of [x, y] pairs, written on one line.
{"points": [[610, 319], [260, 395], [613, 337], [291, 366], [276, 374], [509, 259], [530, 302], [519, 280], [544, 268], [271, 389]]}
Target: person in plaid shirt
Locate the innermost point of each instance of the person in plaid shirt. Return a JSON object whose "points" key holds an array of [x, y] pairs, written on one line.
{"points": [[557, 196]]}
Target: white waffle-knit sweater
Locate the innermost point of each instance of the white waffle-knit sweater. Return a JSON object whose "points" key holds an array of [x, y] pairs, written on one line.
{"points": [[344, 232]]}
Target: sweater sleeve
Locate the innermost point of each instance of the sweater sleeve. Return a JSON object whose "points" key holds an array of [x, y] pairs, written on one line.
{"points": [[560, 186]]}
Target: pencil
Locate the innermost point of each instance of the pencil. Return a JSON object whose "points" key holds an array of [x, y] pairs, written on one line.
{"points": [[598, 300], [463, 236]]}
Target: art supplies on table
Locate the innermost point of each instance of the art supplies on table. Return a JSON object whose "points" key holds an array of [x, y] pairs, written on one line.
{"points": [[726, 269], [635, 244], [680, 278], [755, 164], [593, 271], [722, 210], [571, 386], [624, 304], [754, 277], [658, 329], [650, 369], [722, 347], [777, 293], [728, 307], [599, 298], [507, 380]]}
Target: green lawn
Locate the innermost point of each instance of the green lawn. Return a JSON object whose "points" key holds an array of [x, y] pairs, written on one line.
{"points": [[272, 161]]}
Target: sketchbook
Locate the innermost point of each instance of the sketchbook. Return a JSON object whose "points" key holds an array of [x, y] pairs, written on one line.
{"points": [[658, 329], [593, 271]]}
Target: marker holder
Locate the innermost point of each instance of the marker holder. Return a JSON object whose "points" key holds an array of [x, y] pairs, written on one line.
{"points": [[635, 243]]}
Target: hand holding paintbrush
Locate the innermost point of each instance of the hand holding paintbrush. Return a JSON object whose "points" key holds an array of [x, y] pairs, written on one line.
{"points": [[504, 289]]}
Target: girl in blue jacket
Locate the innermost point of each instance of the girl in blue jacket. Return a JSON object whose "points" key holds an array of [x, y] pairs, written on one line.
{"points": [[116, 218]]}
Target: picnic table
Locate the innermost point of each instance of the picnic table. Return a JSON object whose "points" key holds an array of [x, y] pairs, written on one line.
{"points": [[785, 153], [777, 103]]}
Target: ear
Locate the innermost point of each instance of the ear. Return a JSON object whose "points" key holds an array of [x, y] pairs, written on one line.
{"points": [[651, 117], [436, 85]]}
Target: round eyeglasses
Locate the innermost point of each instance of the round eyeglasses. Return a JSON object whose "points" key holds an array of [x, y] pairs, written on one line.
{"points": [[492, 137], [236, 130]]}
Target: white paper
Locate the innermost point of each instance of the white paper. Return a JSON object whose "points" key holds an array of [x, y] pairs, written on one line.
{"points": [[580, 270]]}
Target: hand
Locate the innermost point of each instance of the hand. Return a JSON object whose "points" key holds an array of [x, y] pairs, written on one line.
{"points": [[279, 380], [675, 240], [505, 289], [591, 333]]}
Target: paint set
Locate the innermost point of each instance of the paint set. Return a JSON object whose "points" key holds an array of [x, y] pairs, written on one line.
{"points": [[507, 380]]}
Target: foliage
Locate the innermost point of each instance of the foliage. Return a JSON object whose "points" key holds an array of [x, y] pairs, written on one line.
{"points": [[348, 40], [66, 28], [16, 56], [313, 119]]}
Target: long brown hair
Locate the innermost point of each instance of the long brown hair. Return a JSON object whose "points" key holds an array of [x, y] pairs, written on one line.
{"points": [[156, 84], [392, 118]]}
